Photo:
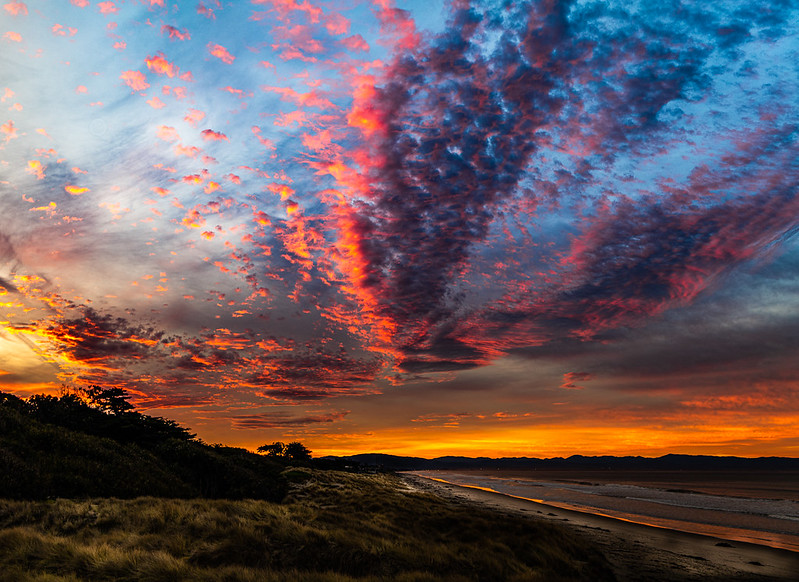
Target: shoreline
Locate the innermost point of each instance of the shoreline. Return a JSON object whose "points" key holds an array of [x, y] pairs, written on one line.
{"points": [[638, 552]]}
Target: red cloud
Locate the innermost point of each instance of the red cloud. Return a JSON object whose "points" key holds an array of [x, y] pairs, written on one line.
{"points": [[570, 380], [337, 23], [221, 53], [175, 33], [355, 43], [211, 135]]}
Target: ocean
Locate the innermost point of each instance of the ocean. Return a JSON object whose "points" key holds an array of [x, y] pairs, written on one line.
{"points": [[756, 507]]}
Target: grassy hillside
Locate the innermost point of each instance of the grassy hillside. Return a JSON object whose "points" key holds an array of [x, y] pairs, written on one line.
{"points": [[331, 527]]}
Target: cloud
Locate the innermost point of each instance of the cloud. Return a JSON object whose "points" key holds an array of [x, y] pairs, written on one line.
{"points": [[175, 33], [284, 420], [450, 132], [221, 53], [135, 80], [570, 380], [319, 374], [16, 8]]}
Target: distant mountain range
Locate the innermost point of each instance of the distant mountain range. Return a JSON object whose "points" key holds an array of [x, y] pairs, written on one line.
{"points": [[664, 463]]}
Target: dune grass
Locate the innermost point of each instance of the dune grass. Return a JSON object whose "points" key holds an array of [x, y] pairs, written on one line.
{"points": [[332, 527]]}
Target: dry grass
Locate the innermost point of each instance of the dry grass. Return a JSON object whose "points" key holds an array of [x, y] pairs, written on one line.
{"points": [[332, 527]]}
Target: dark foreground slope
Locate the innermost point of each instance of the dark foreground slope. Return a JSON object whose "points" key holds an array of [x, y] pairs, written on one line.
{"points": [[331, 527], [62, 447]]}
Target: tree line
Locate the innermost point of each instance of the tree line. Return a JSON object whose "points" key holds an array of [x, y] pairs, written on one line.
{"points": [[92, 442]]}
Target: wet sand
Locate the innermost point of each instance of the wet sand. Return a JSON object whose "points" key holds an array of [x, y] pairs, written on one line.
{"points": [[640, 553]]}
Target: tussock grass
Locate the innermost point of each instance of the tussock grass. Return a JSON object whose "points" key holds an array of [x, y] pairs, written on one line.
{"points": [[332, 527]]}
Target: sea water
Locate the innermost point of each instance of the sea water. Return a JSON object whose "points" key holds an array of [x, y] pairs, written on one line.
{"points": [[754, 507]]}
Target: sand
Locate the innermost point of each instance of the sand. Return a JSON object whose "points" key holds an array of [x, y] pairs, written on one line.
{"points": [[638, 552]]}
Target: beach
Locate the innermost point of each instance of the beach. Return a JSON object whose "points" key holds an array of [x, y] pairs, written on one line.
{"points": [[639, 553]]}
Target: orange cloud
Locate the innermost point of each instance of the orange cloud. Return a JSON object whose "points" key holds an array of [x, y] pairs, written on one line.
{"points": [[35, 167], [13, 36], [135, 80], [16, 8], [310, 99], [284, 191], [50, 208], [76, 190], [192, 179], [194, 116], [210, 135], [9, 130], [160, 65], [156, 103], [261, 218], [188, 151], [167, 133], [221, 53]]}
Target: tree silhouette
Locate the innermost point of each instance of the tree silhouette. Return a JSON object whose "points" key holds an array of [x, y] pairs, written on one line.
{"points": [[294, 451], [113, 400], [275, 449]]}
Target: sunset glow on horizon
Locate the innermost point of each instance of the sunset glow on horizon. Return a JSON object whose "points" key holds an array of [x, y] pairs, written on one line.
{"points": [[536, 228]]}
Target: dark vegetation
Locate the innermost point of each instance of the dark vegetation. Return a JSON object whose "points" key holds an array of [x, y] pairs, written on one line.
{"points": [[294, 451], [95, 491], [332, 526], [92, 443]]}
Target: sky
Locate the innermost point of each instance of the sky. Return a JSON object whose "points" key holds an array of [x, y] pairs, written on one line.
{"points": [[529, 228]]}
